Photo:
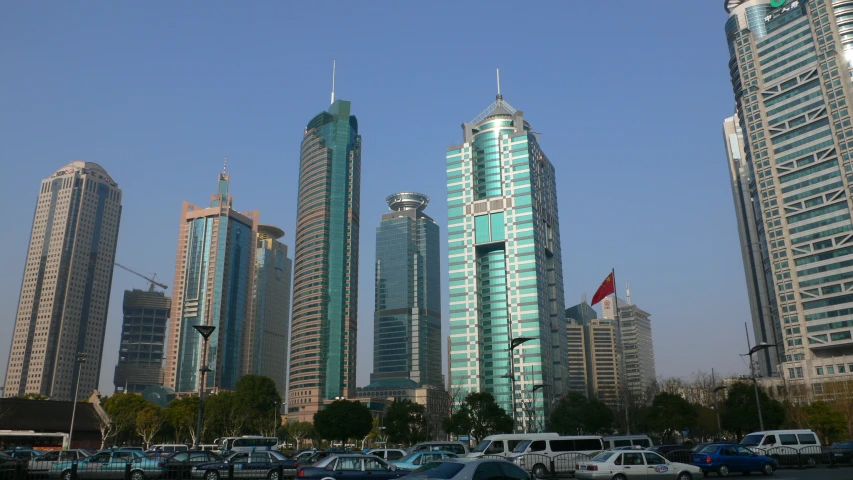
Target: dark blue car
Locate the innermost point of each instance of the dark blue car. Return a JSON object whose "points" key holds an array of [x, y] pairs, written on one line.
{"points": [[726, 458]]}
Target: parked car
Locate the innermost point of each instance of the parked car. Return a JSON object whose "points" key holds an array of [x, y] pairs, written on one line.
{"points": [[614, 441], [110, 464], [43, 463], [167, 448], [726, 458], [349, 467], [635, 464], [7, 462], [664, 449], [459, 448], [470, 468], [387, 454], [503, 444], [180, 464], [414, 460], [249, 465], [842, 451], [303, 456], [24, 454], [790, 439]]}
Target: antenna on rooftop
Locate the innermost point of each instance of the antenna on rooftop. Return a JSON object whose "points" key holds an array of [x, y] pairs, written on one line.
{"points": [[333, 79], [499, 83]]}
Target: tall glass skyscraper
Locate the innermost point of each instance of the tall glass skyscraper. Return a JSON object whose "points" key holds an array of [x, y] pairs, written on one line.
{"points": [[506, 277], [407, 318], [143, 336], [65, 290], [790, 156], [325, 282], [213, 286]]}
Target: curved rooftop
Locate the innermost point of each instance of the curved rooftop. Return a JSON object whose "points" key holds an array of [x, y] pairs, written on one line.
{"points": [[79, 165], [730, 5], [407, 201], [270, 231]]}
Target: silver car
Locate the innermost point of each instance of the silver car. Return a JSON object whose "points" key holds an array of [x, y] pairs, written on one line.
{"points": [[633, 465], [469, 469], [43, 463], [110, 465]]}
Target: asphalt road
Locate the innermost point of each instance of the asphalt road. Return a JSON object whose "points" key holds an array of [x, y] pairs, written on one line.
{"points": [[845, 473]]}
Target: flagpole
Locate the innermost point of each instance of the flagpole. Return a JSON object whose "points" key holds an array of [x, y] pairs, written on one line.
{"points": [[622, 370]]}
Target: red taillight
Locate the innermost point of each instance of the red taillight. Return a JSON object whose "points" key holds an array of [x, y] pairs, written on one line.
{"points": [[300, 473], [295, 464], [592, 468], [161, 464], [707, 459]]}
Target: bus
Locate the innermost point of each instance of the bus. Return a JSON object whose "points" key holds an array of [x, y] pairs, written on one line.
{"points": [[246, 443], [11, 439]]}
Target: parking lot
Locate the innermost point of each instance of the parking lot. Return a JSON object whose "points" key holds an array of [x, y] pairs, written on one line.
{"points": [[844, 473]]}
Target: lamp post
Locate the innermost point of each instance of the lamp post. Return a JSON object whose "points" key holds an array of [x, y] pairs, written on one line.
{"points": [[513, 344], [761, 346], [533, 403], [81, 359], [205, 331]]}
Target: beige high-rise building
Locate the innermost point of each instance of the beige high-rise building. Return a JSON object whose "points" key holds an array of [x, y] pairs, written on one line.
{"points": [[603, 366], [577, 362], [637, 348], [65, 291]]}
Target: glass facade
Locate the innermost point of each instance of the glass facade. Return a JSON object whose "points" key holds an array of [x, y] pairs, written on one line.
{"points": [[325, 284], [143, 338], [791, 172], [407, 318], [506, 278]]}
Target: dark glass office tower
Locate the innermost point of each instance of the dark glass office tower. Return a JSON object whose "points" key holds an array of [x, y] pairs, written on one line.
{"points": [[143, 334], [325, 281], [407, 318]]}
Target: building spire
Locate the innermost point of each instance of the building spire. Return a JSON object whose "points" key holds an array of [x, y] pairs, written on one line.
{"points": [[499, 96], [628, 292], [224, 165], [333, 80]]}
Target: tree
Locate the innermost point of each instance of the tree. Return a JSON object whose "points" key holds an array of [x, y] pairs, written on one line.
{"points": [[149, 421], [258, 396], [575, 414], [671, 414], [122, 409], [226, 415], [182, 414], [300, 431], [479, 416], [739, 415], [343, 419], [33, 396], [405, 422], [826, 421]]}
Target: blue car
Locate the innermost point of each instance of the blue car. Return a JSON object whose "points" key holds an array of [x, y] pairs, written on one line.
{"points": [[414, 460], [727, 458]]}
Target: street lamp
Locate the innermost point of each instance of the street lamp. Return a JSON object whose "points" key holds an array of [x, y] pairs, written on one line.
{"points": [[513, 344], [205, 331], [81, 359], [717, 410], [761, 346], [533, 402]]}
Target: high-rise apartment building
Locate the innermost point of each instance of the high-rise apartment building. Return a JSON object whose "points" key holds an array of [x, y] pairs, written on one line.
{"points": [[407, 316], [214, 272], [143, 337], [65, 291], [267, 339], [790, 65], [593, 354], [506, 278], [576, 336], [325, 280], [637, 350]]}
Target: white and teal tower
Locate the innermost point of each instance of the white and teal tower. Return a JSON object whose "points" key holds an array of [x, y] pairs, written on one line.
{"points": [[506, 275]]}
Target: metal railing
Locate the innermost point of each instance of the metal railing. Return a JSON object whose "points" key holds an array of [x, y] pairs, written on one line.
{"points": [[545, 466], [22, 470]]}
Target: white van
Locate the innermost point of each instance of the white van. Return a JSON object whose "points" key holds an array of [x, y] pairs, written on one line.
{"points": [[536, 456], [760, 442], [637, 441], [504, 444]]}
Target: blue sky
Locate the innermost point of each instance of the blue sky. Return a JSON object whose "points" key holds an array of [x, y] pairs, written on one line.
{"points": [[629, 98]]}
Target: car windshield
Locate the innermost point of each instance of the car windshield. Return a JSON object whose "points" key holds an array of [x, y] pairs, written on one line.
{"points": [[603, 456], [752, 440], [482, 446], [522, 446], [708, 449], [441, 470]]}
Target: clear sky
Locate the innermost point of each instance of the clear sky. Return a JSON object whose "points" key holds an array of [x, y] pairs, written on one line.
{"points": [[629, 98]]}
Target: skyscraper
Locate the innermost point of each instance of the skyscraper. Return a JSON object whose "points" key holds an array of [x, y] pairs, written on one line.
{"points": [[143, 336], [268, 335], [325, 280], [603, 361], [637, 349], [506, 278], [214, 271], [65, 291], [790, 65], [407, 318]]}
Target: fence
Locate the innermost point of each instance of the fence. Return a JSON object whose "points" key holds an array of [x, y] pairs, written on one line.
{"points": [[544, 466], [22, 470], [788, 457]]}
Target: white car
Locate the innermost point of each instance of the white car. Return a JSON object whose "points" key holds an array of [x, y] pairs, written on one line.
{"points": [[635, 464]]}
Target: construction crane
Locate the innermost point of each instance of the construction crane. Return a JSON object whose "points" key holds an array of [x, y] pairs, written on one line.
{"points": [[151, 280]]}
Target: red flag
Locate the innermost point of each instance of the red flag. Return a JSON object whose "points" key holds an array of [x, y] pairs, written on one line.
{"points": [[604, 290]]}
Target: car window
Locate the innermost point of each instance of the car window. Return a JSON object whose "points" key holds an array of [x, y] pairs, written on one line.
{"points": [[240, 458], [513, 472], [745, 452], [100, 457], [708, 449], [50, 457], [654, 459], [489, 471], [537, 446], [393, 455], [459, 449], [769, 440], [180, 457], [642, 442], [349, 463], [259, 458], [374, 464], [632, 459], [562, 445], [122, 457], [807, 439], [787, 439], [621, 443], [752, 440], [588, 444], [497, 446], [521, 447], [728, 451]]}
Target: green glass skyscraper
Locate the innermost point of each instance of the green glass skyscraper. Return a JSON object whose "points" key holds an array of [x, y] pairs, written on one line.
{"points": [[325, 284], [506, 278]]}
